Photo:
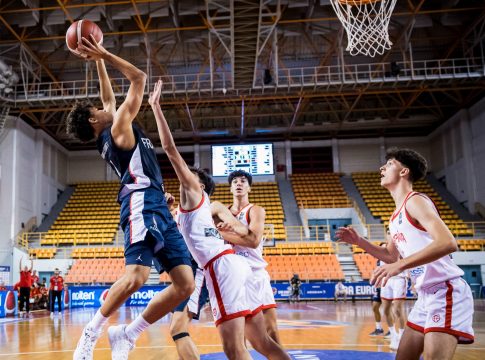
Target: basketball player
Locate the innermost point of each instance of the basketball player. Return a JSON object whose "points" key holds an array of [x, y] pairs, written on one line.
{"points": [[226, 274], [189, 309], [252, 216], [442, 316], [151, 235]]}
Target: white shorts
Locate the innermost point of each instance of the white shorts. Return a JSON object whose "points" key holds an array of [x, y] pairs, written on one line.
{"points": [[199, 297], [260, 292], [445, 307], [396, 289], [226, 276]]}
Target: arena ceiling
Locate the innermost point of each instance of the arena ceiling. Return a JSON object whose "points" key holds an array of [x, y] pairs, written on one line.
{"points": [[249, 70]]}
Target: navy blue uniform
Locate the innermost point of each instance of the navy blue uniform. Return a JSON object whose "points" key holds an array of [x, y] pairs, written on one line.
{"points": [[151, 234], [377, 295]]}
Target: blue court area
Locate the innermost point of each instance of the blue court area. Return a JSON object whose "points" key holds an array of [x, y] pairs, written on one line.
{"points": [[317, 354]]}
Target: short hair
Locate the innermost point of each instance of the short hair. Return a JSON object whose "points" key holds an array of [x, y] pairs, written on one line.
{"points": [[77, 123], [240, 173], [205, 178], [411, 159]]}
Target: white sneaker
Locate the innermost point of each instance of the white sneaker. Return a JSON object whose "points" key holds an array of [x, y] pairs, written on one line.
{"points": [[394, 342], [86, 344], [52, 315], [121, 345]]}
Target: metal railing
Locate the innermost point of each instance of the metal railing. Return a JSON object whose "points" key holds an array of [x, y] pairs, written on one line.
{"points": [[297, 77], [317, 203]]}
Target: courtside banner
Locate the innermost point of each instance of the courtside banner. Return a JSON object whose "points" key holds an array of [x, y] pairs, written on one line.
{"points": [[94, 296], [8, 303], [318, 290]]}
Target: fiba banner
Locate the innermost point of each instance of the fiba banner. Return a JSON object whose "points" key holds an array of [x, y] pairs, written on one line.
{"points": [[8, 303], [318, 290], [94, 296]]}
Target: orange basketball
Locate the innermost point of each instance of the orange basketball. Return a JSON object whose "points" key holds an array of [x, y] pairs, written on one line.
{"points": [[80, 29]]}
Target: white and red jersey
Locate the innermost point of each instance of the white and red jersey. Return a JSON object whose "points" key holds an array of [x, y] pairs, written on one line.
{"points": [[254, 257], [200, 233], [411, 238]]}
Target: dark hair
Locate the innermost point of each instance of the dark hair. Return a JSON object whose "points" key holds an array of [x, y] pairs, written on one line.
{"points": [[240, 173], [205, 179], [411, 159], [77, 123]]}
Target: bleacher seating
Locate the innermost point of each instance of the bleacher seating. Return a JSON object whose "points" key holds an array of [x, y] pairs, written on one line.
{"points": [[294, 248], [91, 216], [471, 245], [97, 252], [381, 204], [42, 253], [366, 263], [319, 190], [308, 267]]}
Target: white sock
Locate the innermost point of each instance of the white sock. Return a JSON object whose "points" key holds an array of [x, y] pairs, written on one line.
{"points": [[378, 326], [401, 331], [97, 322], [393, 331], [136, 327]]}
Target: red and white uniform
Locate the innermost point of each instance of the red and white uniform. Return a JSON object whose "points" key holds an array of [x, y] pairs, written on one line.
{"points": [[445, 302], [260, 291], [226, 274], [396, 287], [56, 283]]}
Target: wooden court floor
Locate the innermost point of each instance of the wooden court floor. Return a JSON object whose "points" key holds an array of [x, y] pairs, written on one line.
{"points": [[340, 329]]}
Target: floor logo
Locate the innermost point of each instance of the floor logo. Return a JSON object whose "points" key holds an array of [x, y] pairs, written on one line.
{"points": [[316, 355]]}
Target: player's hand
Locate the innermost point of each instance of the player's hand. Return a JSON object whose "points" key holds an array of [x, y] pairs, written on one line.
{"points": [[384, 272], [90, 49], [169, 198], [154, 98], [225, 227], [347, 235]]}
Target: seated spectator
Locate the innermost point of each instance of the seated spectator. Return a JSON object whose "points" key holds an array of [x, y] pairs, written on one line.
{"points": [[295, 283], [340, 290], [44, 297], [35, 297]]}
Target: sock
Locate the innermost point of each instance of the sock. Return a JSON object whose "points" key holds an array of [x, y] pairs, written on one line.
{"points": [[393, 331], [137, 326], [378, 326], [97, 322], [401, 331]]}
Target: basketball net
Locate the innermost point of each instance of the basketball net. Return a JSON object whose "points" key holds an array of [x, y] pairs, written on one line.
{"points": [[366, 23]]}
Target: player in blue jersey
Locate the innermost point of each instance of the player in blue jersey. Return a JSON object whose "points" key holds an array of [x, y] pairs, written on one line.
{"points": [[151, 234]]}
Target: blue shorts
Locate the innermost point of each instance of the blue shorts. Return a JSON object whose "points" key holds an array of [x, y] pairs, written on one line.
{"points": [[151, 234], [377, 296], [199, 297]]}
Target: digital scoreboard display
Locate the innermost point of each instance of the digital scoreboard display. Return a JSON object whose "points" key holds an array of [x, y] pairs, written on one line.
{"points": [[256, 159]]}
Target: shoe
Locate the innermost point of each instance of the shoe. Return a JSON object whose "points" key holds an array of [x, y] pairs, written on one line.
{"points": [[21, 314], [86, 344], [30, 315], [394, 343], [387, 335], [52, 315], [121, 345], [377, 332]]}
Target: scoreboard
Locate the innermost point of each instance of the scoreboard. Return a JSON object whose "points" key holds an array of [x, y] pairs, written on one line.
{"points": [[256, 159]]}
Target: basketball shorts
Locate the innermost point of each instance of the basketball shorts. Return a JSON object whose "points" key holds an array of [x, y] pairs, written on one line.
{"points": [[226, 276], [199, 297], [395, 289], [260, 292], [376, 296], [151, 234], [445, 307]]}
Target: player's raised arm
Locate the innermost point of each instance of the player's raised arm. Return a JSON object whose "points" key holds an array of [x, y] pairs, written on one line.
{"points": [[191, 194], [121, 130], [106, 91]]}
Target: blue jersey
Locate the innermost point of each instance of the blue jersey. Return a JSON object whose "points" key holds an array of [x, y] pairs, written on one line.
{"points": [[138, 168]]}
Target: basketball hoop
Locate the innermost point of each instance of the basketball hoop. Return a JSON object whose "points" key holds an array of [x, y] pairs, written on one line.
{"points": [[366, 23]]}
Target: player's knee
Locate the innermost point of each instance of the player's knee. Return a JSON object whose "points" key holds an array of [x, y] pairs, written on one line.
{"points": [[185, 289], [233, 350]]}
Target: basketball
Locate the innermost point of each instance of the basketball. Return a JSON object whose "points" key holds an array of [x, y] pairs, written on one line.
{"points": [[80, 29]]}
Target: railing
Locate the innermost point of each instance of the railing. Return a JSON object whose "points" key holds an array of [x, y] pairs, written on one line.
{"points": [[85, 238], [316, 203], [316, 76]]}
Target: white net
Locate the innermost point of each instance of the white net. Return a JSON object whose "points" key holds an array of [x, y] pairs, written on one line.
{"points": [[366, 23]]}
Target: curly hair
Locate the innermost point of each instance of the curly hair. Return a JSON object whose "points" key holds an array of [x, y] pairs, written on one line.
{"points": [[205, 178], [77, 122], [411, 159], [240, 173]]}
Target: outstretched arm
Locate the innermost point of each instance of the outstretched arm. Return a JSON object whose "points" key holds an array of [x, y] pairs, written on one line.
{"points": [[230, 224], [121, 130], [388, 254], [20, 263], [106, 91], [443, 241], [190, 193], [31, 265], [255, 229]]}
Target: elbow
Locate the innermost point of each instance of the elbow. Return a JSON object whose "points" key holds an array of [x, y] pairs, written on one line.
{"points": [[452, 247], [140, 78], [169, 148]]}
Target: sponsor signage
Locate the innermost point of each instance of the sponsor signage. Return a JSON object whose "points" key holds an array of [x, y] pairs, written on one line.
{"points": [[94, 296], [8, 303]]}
